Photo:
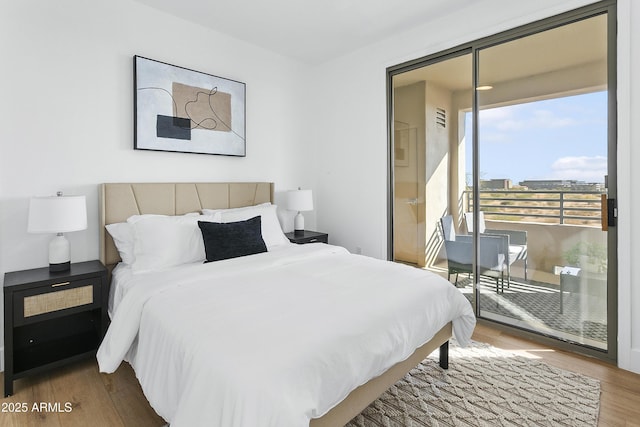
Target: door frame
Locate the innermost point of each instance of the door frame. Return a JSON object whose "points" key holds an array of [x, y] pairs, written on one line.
{"points": [[603, 7]]}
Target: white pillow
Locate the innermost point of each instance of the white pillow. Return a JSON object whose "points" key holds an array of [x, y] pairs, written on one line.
{"points": [[122, 236], [270, 226], [167, 241], [244, 208]]}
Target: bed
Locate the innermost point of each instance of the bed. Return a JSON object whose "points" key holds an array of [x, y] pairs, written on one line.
{"points": [[243, 341]]}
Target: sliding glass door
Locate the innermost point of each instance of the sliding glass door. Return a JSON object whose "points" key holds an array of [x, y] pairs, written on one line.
{"points": [[543, 168], [502, 175]]}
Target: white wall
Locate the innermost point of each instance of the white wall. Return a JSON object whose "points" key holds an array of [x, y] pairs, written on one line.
{"points": [[351, 149], [66, 116]]}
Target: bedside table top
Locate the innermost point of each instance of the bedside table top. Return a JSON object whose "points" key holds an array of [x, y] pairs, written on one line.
{"points": [[307, 237], [306, 234], [78, 271]]}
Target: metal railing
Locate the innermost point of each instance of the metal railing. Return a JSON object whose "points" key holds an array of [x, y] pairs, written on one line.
{"points": [[548, 206]]}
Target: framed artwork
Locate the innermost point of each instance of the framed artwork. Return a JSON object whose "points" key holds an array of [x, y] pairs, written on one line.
{"points": [[401, 147], [181, 110]]}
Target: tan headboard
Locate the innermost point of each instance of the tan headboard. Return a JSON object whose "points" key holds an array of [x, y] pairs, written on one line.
{"points": [[119, 201]]}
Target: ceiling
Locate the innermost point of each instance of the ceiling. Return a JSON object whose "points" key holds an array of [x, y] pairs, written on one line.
{"points": [[310, 31], [567, 47]]}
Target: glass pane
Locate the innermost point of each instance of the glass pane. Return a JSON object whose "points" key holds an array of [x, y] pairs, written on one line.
{"points": [[428, 111], [406, 189], [542, 138]]}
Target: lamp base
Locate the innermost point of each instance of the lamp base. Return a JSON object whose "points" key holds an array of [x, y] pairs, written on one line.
{"points": [[59, 259], [63, 266], [298, 225]]}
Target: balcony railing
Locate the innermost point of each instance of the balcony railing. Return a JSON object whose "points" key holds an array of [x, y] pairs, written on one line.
{"points": [[547, 206]]}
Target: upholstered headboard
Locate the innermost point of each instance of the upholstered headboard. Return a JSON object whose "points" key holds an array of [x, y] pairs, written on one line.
{"points": [[119, 201]]}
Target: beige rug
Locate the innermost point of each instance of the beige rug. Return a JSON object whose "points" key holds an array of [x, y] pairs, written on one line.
{"points": [[485, 386]]}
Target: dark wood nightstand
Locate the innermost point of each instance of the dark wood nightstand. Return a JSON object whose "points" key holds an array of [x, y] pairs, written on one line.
{"points": [[308, 237], [51, 319]]}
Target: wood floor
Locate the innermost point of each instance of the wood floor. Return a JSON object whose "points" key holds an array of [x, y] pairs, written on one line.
{"points": [[620, 389], [116, 400]]}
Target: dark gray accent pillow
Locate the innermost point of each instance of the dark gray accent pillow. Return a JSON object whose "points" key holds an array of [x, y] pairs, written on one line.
{"points": [[232, 239]]}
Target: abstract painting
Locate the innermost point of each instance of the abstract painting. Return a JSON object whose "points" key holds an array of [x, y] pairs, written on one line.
{"points": [[177, 109]]}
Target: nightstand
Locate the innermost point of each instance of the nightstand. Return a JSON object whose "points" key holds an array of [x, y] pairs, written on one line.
{"points": [[308, 237], [51, 319]]}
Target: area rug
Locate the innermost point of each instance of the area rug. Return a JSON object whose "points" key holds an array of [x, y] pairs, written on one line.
{"points": [[485, 386]]}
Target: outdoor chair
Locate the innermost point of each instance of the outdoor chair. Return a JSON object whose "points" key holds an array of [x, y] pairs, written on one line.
{"points": [[459, 252], [517, 241]]}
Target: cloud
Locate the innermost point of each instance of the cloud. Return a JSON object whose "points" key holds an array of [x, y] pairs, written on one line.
{"points": [[581, 168], [495, 115]]}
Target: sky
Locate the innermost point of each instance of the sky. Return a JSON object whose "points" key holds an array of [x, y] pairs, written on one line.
{"points": [[562, 138]]}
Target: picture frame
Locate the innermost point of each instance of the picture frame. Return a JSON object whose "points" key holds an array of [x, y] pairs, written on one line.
{"points": [[181, 110], [401, 143], [401, 147]]}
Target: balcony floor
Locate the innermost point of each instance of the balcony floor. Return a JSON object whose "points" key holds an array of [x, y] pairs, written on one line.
{"points": [[535, 306]]}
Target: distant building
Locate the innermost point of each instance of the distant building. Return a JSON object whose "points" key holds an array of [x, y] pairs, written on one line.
{"points": [[562, 184], [589, 186], [547, 184], [495, 184]]}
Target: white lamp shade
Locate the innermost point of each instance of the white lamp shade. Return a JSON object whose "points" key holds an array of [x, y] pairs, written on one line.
{"points": [[57, 214], [299, 200]]}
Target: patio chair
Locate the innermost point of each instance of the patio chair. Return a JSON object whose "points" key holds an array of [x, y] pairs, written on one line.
{"points": [[459, 252], [517, 241]]}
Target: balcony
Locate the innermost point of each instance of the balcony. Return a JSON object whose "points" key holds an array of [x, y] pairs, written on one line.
{"points": [[555, 221], [559, 224]]}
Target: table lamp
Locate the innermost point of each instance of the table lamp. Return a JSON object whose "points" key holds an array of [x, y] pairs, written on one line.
{"points": [[58, 214], [299, 200]]}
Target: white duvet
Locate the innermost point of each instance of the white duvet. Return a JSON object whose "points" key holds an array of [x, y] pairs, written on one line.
{"points": [[273, 339]]}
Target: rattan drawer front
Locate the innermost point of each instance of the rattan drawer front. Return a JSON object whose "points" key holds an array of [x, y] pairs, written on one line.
{"points": [[59, 300]]}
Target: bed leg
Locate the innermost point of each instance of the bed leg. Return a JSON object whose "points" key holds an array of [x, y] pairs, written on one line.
{"points": [[444, 355]]}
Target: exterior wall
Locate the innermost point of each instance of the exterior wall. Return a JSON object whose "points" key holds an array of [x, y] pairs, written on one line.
{"points": [[436, 197], [425, 176], [548, 243], [409, 116]]}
